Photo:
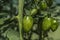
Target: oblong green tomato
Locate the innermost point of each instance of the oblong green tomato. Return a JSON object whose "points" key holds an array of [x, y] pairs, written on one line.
{"points": [[33, 11], [43, 5], [46, 23], [27, 23], [54, 25]]}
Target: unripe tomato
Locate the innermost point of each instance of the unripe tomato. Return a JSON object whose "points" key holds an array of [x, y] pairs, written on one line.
{"points": [[46, 23], [54, 25], [43, 5], [27, 23], [33, 11]]}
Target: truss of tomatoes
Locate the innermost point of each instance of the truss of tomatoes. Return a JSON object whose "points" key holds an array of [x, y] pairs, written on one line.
{"points": [[48, 22]]}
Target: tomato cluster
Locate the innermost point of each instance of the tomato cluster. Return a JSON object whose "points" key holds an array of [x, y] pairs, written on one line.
{"points": [[47, 23]]}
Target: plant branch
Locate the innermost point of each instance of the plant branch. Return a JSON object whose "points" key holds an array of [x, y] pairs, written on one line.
{"points": [[20, 16]]}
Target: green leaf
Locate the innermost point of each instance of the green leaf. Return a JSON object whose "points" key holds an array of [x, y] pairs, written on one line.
{"points": [[12, 34]]}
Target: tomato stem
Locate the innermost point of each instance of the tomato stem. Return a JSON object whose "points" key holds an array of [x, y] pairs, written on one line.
{"points": [[20, 16]]}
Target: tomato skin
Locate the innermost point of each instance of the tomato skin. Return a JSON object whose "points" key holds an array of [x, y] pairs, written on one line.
{"points": [[33, 11], [27, 23], [46, 23], [43, 5], [54, 25]]}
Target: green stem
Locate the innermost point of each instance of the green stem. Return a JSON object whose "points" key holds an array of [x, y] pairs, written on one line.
{"points": [[20, 17]]}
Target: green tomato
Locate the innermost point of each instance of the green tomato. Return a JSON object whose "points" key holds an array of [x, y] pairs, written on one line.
{"points": [[54, 25], [27, 23], [33, 11], [46, 23], [43, 5]]}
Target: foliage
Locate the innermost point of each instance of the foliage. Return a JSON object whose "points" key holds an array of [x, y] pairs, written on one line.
{"points": [[9, 23]]}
